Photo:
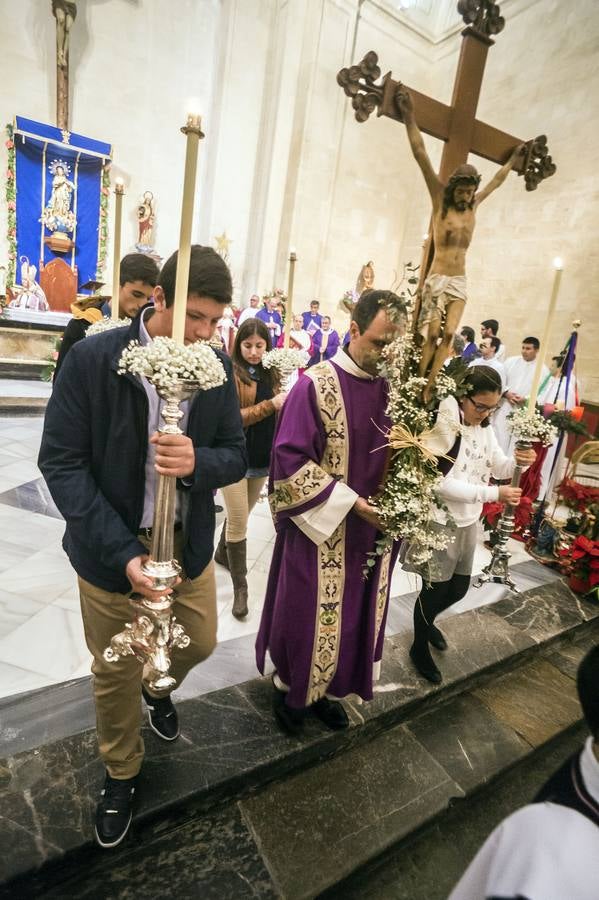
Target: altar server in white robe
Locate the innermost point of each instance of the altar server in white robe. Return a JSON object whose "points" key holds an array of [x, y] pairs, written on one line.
{"points": [[520, 372], [563, 394]]}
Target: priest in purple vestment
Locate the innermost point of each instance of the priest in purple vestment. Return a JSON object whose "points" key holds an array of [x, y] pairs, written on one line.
{"points": [[325, 343], [323, 622]]}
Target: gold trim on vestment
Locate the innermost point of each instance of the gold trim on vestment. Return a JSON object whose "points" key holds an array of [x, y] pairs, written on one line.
{"points": [[331, 553], [381, 594], [302, 486]]}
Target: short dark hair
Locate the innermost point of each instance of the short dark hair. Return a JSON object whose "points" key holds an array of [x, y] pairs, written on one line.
{"points": [[533, 341], [495, 343], [370, 304], [458, 343], [468, 333], [587, 683], [314, 302], [209, 276], [246, 330], [493, 324], [138, 267]]}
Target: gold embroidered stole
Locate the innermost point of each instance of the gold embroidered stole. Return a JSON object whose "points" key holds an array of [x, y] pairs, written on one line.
{"points": [[331, 553]]}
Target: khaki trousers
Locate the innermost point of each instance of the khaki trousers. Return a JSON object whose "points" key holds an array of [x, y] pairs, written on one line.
{"points": [[117, 686], [240, 499]]}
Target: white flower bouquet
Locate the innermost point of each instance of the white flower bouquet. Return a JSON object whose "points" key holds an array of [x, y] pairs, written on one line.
{"points": [[165, 363], [531, 428], [285, 360], [106, 324], [408, 504]]}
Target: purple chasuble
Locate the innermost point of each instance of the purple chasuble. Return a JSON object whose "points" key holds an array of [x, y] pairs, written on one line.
{"points": [[323, 623]]}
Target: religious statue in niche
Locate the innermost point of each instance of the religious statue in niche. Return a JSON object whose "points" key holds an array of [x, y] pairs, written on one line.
{"points": [[366, 278], [29, 294], [146, 217], [454, 217], [58, 216]]}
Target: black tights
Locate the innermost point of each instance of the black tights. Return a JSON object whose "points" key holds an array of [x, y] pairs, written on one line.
{"points": [[432, 600]]}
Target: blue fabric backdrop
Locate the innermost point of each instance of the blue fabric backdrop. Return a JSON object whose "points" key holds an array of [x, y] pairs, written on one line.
{"points": [[36, 147]]}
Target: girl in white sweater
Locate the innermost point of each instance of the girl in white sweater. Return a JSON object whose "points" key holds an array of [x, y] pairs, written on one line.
{"points": [[464, 489]]}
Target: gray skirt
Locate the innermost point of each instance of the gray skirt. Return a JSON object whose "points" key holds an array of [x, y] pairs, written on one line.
{"points": [[456, 559]]}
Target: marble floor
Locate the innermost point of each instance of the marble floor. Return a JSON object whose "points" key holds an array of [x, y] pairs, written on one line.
{"points": [[41, 635]]}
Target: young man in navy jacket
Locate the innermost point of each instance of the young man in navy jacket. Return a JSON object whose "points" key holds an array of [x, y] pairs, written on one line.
{"points": [[100, 453]]}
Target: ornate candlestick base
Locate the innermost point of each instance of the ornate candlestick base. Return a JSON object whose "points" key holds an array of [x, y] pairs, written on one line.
{"points": [[154, 631], [497, 572]]}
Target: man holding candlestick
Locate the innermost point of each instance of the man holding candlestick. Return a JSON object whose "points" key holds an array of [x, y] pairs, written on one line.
{"points": [[99, 455]]}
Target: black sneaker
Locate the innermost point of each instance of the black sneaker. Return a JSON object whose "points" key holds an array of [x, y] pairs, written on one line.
{"points": [[113, 813], [162, 716], [331, 712]]}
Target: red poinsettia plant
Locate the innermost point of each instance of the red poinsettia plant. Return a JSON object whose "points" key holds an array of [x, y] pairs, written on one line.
{"points": [[581, 563], [493, 511], [577, 496]]}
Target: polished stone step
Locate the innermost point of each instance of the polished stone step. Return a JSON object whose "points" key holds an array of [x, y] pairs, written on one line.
{"points": [[233, 765]]}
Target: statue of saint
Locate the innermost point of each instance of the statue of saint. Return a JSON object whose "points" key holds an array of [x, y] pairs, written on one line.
{"points": [[57, 215], [146, 216], [366, 278], [454, 215], [29, 294], [64, 11]]}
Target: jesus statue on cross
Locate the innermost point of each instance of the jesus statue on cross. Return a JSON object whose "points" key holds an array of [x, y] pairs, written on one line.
{"points": [[454, 214]]}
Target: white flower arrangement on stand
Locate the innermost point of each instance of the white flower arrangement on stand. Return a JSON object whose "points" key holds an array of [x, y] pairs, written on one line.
{"points": [[106, 324], [166, 363], [285, 361], [530, 429]]}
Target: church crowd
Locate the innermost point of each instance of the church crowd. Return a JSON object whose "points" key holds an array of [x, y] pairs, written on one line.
{"points": [[323, 621]]}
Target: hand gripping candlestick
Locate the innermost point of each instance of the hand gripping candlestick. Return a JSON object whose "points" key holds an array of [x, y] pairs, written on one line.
{"points": [[497, 572]]}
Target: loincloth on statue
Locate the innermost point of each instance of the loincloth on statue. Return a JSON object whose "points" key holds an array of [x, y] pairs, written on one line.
{"points": [[437, 293]]}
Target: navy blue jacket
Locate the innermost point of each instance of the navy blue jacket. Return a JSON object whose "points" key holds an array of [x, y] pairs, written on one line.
{"points": [[93, 454]]}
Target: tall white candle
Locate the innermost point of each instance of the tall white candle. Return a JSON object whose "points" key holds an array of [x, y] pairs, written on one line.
{"points": [[119, 190], [289, 316], [534, 390], [193, 131]]}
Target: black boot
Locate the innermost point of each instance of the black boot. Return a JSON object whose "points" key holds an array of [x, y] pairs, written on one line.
{"points": [[456, 588], [236, 553], [424, 612], [220, 554], [291, 720], [331, 712]]}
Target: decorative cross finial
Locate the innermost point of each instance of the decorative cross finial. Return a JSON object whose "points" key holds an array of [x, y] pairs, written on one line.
{"points": [[358, 83], [483, 15]]}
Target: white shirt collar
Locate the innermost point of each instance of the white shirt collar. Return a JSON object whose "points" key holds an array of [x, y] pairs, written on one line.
{"points": [[144, 337], [345, 362]]}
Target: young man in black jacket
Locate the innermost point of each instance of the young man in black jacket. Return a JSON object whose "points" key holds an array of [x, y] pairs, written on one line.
{"points": [[99, 454], [138, 276]]}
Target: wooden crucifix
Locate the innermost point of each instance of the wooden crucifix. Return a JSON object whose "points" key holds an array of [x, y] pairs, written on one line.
{"points": [[64, 11], [462, 133]]}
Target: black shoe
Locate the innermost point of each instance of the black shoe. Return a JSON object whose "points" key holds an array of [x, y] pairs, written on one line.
{"points": [[331, 712], [218, 508], [162, 716], [425, 665], [113, 813], [435, 637], [290, 720]]}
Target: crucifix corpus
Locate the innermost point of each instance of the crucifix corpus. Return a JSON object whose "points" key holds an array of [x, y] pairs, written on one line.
{"points": [[454, 191], [64, 11]]}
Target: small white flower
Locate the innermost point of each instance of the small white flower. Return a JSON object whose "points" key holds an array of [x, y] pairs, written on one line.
{"points": [[285, 360], [106, 324], [164, 362]]}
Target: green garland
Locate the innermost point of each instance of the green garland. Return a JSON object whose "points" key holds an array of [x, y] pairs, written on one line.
{"points": [[103, 221], [11, 203]]}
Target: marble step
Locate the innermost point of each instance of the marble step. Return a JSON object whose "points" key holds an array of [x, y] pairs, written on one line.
{"points": [[428, 865], [325, 830], [231, 750]]}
